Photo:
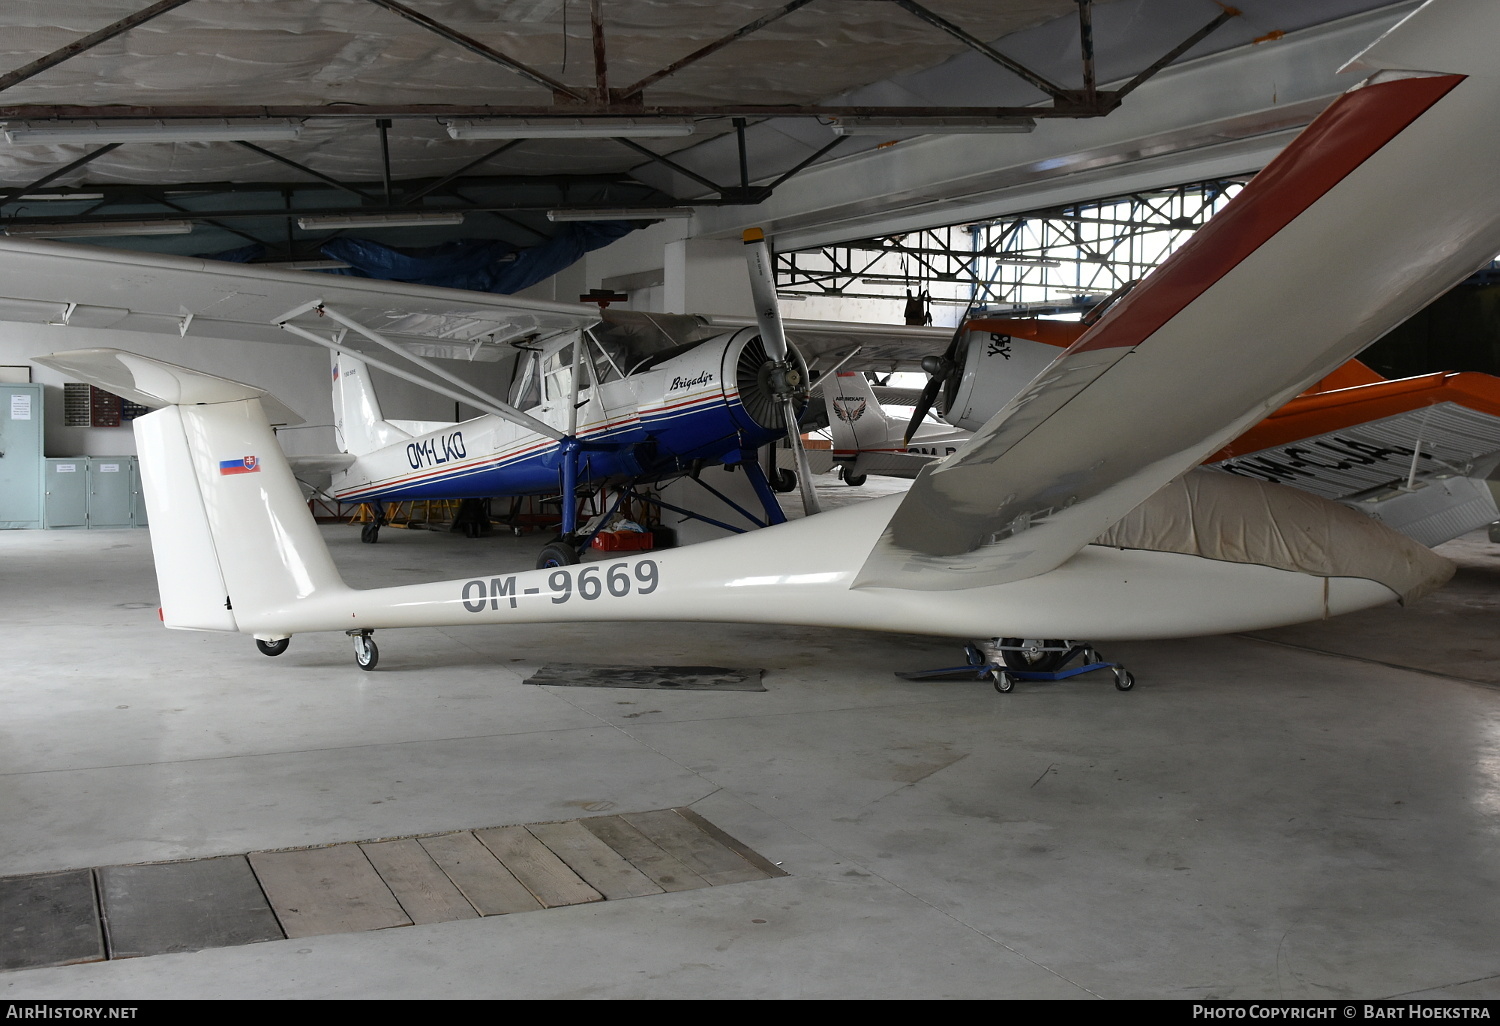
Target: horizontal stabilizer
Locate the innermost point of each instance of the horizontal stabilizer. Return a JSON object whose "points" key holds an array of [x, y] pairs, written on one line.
{"points": [[331, 463], [156, 383]]}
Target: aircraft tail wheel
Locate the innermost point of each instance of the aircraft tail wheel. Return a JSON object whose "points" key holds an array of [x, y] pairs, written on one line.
{"points": [[1124, 679], [556, 554], [366, 655], [272, 648], [1004, 682], [784, 481]]}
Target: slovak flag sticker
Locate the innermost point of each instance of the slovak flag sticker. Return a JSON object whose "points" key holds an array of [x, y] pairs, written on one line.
{"points": [[244, 465]]}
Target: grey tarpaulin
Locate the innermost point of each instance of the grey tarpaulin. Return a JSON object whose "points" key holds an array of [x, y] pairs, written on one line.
{"points": [[1240, 520]]}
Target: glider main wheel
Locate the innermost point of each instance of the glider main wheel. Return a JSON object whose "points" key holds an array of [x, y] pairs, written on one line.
{"points": [[1124, 679], [556, 554], [272, 648], [1030, 655], [1004, 682], [366, 655], [784, 481], [370, 533]]}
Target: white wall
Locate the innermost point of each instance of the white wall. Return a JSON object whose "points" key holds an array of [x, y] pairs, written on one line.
{"points": [[296, 374], [707, 276]]}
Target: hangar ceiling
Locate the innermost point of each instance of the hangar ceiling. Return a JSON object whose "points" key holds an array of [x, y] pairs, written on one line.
{"points": [[371, 87]]}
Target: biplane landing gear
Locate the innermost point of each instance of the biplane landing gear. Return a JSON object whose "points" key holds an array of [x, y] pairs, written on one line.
{"points": [[559, 553], [370, 533], [365, 652], [272, 648]]}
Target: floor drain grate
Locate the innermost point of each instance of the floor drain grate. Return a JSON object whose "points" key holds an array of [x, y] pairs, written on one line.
{"points": [[88, 915]]}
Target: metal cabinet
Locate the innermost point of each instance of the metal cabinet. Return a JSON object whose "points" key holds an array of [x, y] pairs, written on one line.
{"points": [[66, 488], [20, 456], [111, 491], [93, 492]]}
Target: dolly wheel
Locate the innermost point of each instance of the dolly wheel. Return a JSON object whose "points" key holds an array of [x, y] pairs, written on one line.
{"points": [[366, 655]]}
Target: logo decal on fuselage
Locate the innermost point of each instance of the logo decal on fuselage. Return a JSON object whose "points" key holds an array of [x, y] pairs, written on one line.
{"points": [[679, 382], [999, 345], [436, 451]]}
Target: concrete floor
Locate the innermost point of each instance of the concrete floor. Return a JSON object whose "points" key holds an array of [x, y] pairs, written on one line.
{"points": [[1292, 815]]}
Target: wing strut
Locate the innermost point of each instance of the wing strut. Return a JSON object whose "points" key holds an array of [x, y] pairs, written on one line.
{"points": [[475, 397]]}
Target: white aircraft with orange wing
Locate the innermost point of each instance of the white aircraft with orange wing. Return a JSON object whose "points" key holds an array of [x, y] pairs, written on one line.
{"points": [[1070, 513], [1413, 453]]}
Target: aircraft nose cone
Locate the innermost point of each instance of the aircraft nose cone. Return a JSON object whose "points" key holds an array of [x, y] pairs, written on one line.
{"points": [[933, 365]]}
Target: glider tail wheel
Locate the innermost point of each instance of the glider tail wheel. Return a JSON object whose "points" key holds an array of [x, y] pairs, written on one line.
{"points": [[366, 655], [272, 648], [557, 554]]}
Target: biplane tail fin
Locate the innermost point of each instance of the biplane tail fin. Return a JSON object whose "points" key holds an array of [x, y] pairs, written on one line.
{"points": [[358, 425], [234, 542], [856, 419]]}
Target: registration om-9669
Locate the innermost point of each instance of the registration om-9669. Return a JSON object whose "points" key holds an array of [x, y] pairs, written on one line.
{"points": [[588, 583]]}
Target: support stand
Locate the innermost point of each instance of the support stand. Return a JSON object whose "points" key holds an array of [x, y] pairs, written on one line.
{"points": [[1004, 676]]}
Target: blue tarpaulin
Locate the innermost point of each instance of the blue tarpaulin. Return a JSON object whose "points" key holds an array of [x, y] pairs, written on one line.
{"points": [[479, 265]]}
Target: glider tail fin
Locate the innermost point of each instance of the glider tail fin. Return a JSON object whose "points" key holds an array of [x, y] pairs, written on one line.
{"points": [[234, 542], [358, 425]]}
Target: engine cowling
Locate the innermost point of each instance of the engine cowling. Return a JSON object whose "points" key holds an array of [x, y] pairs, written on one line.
{"points": [[996, 359]]}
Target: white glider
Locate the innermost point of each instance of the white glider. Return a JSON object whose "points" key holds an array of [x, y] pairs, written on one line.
{"points": [[1384, 202]]}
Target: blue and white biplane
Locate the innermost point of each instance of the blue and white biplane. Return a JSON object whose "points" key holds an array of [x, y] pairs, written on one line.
{"points": [[597, 397]]}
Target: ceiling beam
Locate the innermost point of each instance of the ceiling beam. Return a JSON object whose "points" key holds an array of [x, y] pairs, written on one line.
{"points": [[411, 198], [284, 213], [89, 41], [320, 176], [52, 176], [634, 91], [1015, 67], [487, 52], [369, 112]]}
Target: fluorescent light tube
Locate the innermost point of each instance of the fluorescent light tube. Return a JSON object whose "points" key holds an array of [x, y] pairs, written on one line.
{"points": [[305, 265], [61, 197], [888, 127], [37, 133], [97, 229], [621, 214], [331, 221], [571, 128]]}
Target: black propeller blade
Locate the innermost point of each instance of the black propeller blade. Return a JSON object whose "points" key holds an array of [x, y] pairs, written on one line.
{"points": [[939, 369]]}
